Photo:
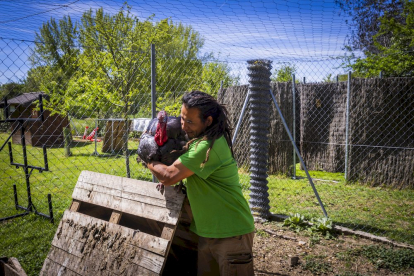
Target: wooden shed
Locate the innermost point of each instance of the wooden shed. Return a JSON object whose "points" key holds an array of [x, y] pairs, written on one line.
{"points": [[123, 226], [49, 132]]}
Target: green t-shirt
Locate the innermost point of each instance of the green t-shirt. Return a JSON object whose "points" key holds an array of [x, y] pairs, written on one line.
{"points": [[215, 195]]}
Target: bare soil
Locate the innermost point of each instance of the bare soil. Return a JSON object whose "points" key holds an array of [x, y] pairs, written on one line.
{"points": [[275, 247]]}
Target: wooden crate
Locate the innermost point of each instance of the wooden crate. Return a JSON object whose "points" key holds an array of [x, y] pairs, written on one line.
{"points": [[122, 226]]}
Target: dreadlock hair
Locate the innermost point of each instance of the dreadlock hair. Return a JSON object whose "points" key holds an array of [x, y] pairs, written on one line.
{"points": [[209, 106]]}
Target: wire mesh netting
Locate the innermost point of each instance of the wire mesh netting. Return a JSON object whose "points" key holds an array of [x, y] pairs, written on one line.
{"points": [[93, 66]]}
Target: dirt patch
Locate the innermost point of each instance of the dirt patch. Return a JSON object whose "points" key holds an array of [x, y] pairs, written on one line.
{"points": [[275, 248]]}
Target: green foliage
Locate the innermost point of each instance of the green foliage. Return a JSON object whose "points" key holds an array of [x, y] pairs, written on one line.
{"points": [[295, 222], [262, 233], [101, 66], [365, 22], [11, 90], [396, 58], [323, 226], [213, 74], [284, 73], [389, 258]]}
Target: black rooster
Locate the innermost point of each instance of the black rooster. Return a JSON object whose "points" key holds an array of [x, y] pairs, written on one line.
{"points": [[162, 141]]}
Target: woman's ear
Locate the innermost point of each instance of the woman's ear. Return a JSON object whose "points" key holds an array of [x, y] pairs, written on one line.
{"points": [[209, 121]]}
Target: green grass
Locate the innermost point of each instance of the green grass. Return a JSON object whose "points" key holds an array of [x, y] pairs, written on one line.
{"points": [[378, 210]]}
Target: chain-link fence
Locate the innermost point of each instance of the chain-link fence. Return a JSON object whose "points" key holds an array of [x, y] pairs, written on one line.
{"points": [[355, 135]]}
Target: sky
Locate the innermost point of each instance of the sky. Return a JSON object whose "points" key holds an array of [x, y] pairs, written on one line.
{"points": [[309, 34]]}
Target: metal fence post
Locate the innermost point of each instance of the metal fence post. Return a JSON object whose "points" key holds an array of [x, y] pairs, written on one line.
{"points": [[128, 171], [348, 93], [259, 85], [294, 123], [95, 138], [153, 91]]}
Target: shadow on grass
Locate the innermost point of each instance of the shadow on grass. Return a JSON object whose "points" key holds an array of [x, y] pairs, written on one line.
{"points": [[79, 144]]}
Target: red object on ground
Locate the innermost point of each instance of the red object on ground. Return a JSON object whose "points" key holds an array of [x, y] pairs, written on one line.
{"points": [[85, 132], [92, 135], [161, 132]]}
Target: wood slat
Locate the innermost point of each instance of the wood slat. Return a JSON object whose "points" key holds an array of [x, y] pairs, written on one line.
{"points": [[75, 264], [161, 202], [74, 226], [52, 268], [133, 186], [98, 245], [140, 209]]}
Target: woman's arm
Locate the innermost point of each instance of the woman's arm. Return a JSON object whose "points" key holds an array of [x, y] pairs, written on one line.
{"points": [[169, 175]]}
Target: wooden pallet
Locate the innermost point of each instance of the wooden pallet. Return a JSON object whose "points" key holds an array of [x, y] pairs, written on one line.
{"points": [[122, 226]]}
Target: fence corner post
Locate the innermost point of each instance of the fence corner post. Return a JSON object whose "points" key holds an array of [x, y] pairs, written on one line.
{"points": [[348, 94]]}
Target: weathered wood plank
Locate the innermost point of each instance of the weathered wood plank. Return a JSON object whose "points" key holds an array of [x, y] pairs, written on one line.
{"points": [[52, 268], [144, 259], [157, 213], [103, 252], [81, 266], [79, 227], [161, 202], [133, 186]]}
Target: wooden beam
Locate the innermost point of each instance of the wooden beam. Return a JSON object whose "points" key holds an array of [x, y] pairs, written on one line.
{"points": [[168, 231], [115, 217], [75, 206]]}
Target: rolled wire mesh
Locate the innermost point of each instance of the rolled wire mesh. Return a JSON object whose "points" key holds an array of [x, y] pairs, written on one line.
{"points": [[259, 87], [110, 90]]}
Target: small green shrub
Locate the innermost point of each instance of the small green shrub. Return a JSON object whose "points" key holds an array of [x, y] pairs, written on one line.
{"points": [[323, 226], [295, 222]]}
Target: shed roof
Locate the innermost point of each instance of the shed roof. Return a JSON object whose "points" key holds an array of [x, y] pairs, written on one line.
{"points": [[24, 99]]}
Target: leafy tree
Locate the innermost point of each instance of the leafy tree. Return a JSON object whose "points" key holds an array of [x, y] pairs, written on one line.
{"points": [[397, 57], [214, 73], [284, 73], [365, 23], [102, 64], [11, 90]]}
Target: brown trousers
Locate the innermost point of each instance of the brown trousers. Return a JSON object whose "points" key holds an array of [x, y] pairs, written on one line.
{"points": [[225, 256]]}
